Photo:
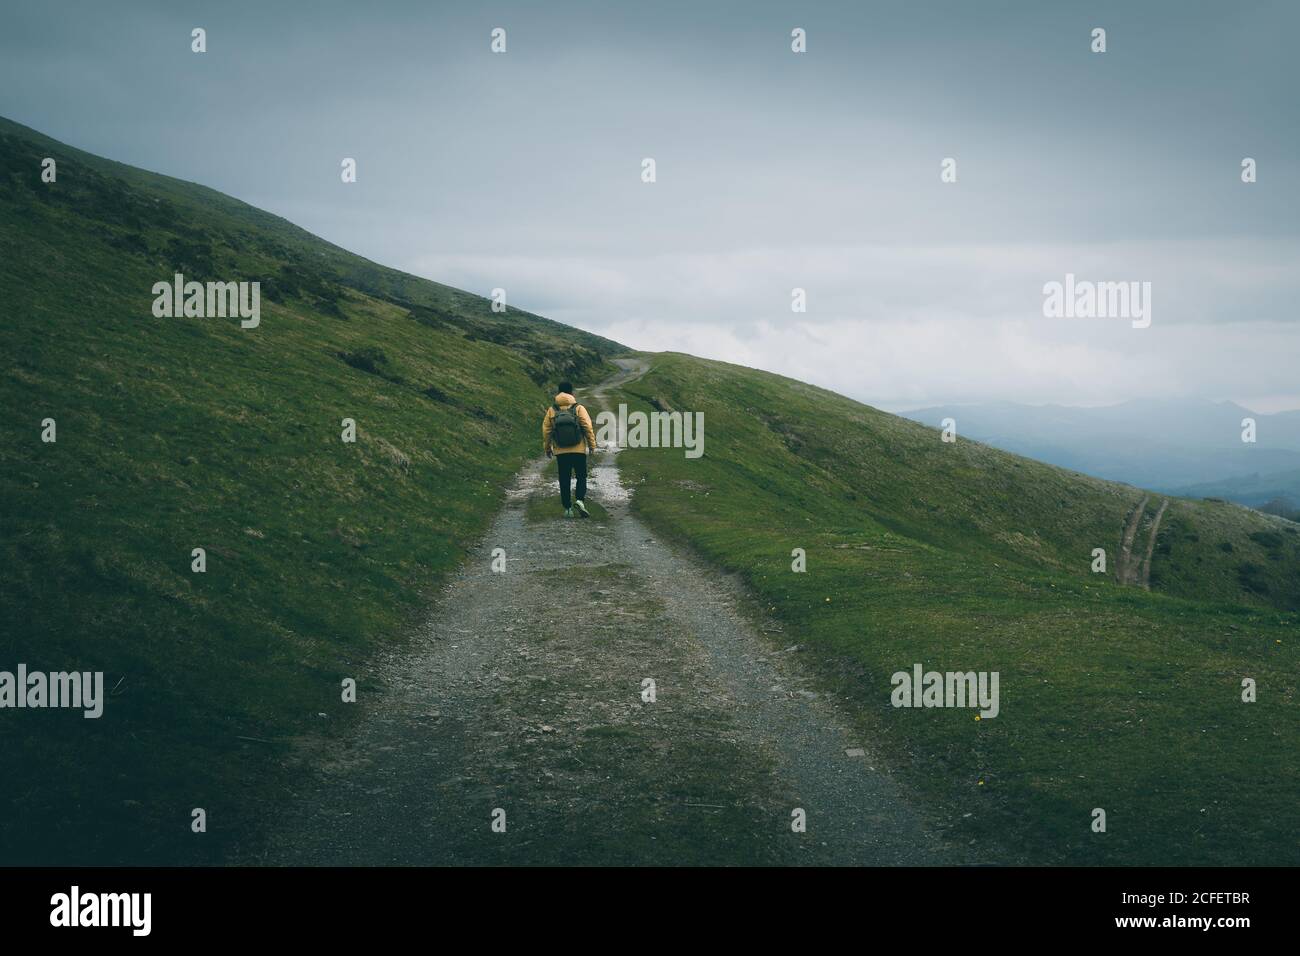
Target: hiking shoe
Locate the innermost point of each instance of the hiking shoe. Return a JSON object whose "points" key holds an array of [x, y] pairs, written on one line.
{"points": [[568, 512], [582, 509]]}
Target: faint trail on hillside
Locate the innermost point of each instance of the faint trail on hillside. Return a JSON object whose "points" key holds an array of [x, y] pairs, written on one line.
{"points": [[524, 694], [1151, 544], [1127, 573]]}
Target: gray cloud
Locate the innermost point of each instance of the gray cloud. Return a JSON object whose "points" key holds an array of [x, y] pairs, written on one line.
{"points": [[775, 170]]}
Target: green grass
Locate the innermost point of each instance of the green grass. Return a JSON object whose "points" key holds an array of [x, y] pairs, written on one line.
{"points": [[180, 433], [961, 557]]}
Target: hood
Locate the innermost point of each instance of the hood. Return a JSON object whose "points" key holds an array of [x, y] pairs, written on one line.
{"points": [[564, 399]]}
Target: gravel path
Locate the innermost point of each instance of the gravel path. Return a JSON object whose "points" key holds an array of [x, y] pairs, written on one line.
{"points": [[523, 698]]}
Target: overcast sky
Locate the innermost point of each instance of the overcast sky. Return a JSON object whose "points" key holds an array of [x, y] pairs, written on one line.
{"points": [[775, 170]]}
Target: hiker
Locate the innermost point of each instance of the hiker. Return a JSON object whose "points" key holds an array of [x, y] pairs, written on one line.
{"points": [[567, 432]]}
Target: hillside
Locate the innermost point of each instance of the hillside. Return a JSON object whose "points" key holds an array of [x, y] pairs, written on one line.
{"points": [[1255, 490], [1120, 689], [181, 433], [962, 557]]}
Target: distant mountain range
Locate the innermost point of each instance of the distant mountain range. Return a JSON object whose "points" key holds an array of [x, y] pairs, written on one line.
{"points": [[1191, 448], [1278, 492]]}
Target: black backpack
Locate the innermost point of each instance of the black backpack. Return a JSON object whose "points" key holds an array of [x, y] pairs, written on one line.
{"points": [[566, 430]]}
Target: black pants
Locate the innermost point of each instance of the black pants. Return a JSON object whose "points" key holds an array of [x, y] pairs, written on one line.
{"points": [[572, 463]]}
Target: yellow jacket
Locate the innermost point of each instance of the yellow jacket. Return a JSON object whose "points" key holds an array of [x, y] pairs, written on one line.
{"points": [[564, 400]]}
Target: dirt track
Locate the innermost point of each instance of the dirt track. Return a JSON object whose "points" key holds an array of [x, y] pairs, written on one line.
{"points": [[524, 693]]}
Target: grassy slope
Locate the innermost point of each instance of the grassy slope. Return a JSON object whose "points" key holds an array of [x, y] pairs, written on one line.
{"points": [[961, 557], [183, 433]]}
